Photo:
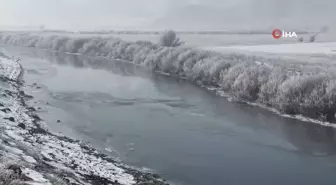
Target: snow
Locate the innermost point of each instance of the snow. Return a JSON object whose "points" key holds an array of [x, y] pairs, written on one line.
{"points": [[9, 69], [29, 159], [13, 135], [13, 150], [296, 48], [37, 177]]}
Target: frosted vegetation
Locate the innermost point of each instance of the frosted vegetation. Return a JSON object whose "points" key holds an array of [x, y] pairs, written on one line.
{"points": [[291, 88], [169, 39], [12, 173]]}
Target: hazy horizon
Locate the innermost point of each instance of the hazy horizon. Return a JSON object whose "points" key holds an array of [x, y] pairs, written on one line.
{"points": [[162, 14]]}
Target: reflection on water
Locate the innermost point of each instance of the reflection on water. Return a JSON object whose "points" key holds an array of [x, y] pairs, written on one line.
{"points": [[79, 61], [311, 139], [307, 137], [189, 134], [109, 100]]}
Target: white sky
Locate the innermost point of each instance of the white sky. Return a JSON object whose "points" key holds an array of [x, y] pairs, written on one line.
{"points": [[79, 13], [99, 14], [88, 13]]}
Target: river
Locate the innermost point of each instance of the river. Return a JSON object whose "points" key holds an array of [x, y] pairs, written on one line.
{"points": [[185, 133]]}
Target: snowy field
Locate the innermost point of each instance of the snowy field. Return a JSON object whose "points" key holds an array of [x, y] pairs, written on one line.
{"points": [[323, 53], [323, 48], [214, 40]]}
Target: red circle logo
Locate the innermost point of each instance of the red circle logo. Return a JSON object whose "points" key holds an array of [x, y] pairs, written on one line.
{"points": [[277, 33]]}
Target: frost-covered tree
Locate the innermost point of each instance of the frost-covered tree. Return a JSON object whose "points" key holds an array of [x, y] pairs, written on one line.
{"points": [[312, 38], [169, 39]]}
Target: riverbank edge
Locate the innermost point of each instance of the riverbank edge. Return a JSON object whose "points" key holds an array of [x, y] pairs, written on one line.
{"points": [[24, 126]]}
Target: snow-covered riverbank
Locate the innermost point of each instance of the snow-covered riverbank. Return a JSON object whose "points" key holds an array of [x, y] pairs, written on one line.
{"points": [[32, 154]]}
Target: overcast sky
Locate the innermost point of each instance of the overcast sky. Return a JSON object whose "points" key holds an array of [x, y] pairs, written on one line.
{"points": [[89, 13], [77, 13], [83, 14]]}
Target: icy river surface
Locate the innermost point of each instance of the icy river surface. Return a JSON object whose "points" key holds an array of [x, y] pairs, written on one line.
{"points": [[185, 133]]}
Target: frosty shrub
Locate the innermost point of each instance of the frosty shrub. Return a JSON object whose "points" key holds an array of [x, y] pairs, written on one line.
{"points": [[169, 39], [10, 174], [293, 88]]}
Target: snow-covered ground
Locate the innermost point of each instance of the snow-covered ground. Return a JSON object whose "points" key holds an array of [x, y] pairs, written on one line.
{"points": [[292, 55], [294, 48]]}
